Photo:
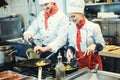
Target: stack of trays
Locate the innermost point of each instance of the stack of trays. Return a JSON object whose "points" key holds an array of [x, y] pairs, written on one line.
{"points": [[10, 75]]}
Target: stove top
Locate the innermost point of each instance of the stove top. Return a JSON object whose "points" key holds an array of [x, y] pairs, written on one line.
{"points": [[30, 71], [47, 71]]}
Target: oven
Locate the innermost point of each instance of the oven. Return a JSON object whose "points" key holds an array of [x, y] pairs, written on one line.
{"points": [[10, 28]]}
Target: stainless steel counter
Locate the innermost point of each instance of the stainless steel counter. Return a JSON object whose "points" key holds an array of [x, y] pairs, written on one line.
{"points": [[111, 51], [85, 74]]}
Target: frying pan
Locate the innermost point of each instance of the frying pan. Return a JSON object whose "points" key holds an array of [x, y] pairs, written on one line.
{"points": [[32, 62], [67, 71], [75, 68]]}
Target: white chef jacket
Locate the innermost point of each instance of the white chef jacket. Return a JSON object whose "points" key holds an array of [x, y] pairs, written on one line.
{"points": [[55, 36], [90, 34]]}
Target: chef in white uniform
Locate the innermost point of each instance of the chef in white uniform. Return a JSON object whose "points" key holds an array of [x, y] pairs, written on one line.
{"points": [[85, 37], [52, 26]]}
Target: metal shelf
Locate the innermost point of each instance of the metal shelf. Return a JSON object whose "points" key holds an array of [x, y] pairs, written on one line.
{"points": [[106, 19], [92, 4]]}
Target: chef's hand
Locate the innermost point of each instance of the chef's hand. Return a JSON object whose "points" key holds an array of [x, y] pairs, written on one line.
{"points": [[41, 49], [69, 55], [27, 37], [90, 49]]}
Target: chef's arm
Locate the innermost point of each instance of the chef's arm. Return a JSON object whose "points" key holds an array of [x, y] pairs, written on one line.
{"points": [[99, 40], [32, 30], [93, 48], [42, 49], [46, 49], [98, 48], [70, 52]]}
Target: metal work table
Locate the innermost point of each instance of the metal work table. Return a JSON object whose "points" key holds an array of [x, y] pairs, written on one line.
{"points": [[85, 74], [113, 53]]}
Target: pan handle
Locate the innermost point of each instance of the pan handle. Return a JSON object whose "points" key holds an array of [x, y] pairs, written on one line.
{"points": [[49, 55], [27, 54], [39, 73]]}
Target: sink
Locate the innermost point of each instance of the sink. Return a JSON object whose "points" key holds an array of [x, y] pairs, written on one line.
{"points": [[88, 75]]}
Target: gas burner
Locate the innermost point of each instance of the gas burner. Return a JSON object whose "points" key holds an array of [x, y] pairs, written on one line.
{"points": [[26, 71], [46, 71], [34, 72], [48, 74]]}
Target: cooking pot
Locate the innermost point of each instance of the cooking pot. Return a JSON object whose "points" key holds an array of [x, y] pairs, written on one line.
{"points": [[7, 54]]}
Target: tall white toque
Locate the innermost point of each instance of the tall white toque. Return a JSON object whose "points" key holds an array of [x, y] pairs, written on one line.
{"points": [[45, 1], [75, 6]]}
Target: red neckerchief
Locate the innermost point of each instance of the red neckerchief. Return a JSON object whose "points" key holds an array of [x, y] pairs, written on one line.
{"points": [[78, 36], [46, 15]]}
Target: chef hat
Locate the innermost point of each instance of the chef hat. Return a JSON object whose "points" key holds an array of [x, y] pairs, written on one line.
{"points": [[75, 6], [45, 1]]}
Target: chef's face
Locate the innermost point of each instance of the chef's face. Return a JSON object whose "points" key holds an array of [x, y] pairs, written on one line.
{"points": [[75, 17], [47, 7]]}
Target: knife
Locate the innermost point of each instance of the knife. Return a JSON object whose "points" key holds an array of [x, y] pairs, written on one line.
{"points": [[113, 49]]}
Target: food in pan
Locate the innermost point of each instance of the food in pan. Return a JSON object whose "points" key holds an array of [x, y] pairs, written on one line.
{"points": [[68, 67], [41, 63]]}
